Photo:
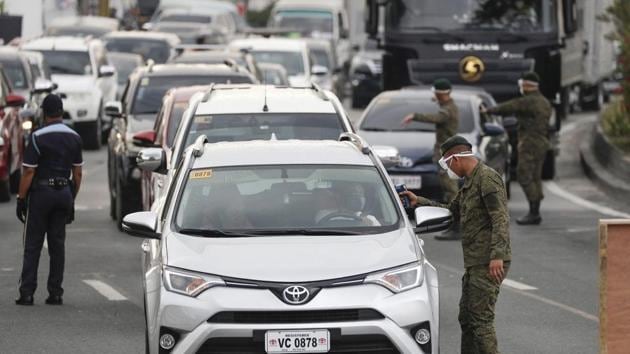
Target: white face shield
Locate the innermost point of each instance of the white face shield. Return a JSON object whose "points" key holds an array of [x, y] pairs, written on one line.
{"points": [[444, 161]]}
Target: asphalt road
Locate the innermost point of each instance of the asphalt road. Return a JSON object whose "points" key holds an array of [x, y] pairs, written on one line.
{"points": [[550, 304]]}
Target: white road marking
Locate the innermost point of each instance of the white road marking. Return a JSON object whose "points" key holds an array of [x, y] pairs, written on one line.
{"points": [[560, 192], [518, 285], [80, 207], [539, 298], [104, 289], [8, 269]]}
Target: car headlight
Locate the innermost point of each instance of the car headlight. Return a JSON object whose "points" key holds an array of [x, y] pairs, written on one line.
{"points": [[189, 283], [400, 279]]}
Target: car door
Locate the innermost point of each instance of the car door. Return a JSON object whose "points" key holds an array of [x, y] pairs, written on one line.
{"points": [[106, 84]]}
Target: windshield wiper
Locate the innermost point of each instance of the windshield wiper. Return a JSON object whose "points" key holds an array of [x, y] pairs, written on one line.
{"points": [[309, 232], [374, 129], [213, 233], [63, 70]]}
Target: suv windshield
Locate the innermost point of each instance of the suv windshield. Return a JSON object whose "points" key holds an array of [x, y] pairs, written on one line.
{"points": [[67, 62], [286, 200], [386, 113], [316, 22], [449, 15], [265, 126], [291, 61], [16, 74], [159, 51]]}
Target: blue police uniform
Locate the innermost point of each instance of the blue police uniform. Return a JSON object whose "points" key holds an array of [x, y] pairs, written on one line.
{"points": [[53, 150]]}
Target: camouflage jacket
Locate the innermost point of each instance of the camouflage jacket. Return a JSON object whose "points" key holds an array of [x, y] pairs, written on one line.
{"points": [[446, 122], [533, 112], [481, 207]]}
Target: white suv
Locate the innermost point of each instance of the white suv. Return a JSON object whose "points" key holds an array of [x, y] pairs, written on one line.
{"points": [[287, 247], [80, 68], [228, 113]]}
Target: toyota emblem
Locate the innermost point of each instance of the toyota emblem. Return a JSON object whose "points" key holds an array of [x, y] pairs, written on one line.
{"points": [[295, 294]]}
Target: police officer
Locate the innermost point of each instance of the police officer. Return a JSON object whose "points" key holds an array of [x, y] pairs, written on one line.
{"points": [[46, 198], [446, 122], [481, 208], [533, 112]]}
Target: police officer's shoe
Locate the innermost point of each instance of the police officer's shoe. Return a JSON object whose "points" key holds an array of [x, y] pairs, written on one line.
{"points": [[24, 300], [533, 217], [54, 300]]}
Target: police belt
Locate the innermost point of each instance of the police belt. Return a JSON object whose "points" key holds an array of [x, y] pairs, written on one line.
{"points": [[55, 182]]}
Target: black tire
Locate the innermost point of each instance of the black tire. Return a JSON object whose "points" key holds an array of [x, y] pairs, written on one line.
{"points": [[90, 133], [14, 181], [111, 175], [595, 98], [549, 166], [5, 191], [562, 110], [356, 101], [123, 205]]}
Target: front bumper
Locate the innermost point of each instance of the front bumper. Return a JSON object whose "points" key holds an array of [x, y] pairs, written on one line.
{"points": [[79, 108], [191, 318]]}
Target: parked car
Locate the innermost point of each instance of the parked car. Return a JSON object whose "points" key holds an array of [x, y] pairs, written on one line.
{"points": [[229, 113], [11, 138], [208, 5], [343, 268], [274, 74], [82, 26], [197, 25], [80, 68], [137, 112], [381, 125], [125, 64], [18, 69], [200, 54], [157, 46], [366, 71], [292, 54], [323, 55]]}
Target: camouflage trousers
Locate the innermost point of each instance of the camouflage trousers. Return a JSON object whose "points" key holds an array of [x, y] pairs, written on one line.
{"points": [[476, 311], [449, 186], [529, 170]]}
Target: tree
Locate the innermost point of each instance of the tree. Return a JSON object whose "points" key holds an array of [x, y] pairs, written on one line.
{"points": [[619, 14]]}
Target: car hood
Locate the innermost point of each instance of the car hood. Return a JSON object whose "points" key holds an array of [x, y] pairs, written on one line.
{"points": [[291, 258], [299, 81], [74, 83], [417, 146]]}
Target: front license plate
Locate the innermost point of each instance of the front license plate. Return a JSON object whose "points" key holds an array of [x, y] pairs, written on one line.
{"points": [[302, 341], [412, 182]]}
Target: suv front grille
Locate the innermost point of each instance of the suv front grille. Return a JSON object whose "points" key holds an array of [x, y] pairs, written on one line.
{"points": [[272, 317], [355, 344]]}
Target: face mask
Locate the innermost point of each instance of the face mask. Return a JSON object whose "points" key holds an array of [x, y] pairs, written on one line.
{"points": [[444, 163], [520, 87]]}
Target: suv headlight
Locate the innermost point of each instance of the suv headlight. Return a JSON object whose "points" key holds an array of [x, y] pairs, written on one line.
{"points": [[400, 279], [189, 283]]}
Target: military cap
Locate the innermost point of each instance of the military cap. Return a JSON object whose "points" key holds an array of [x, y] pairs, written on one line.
{"points": [[531, 77], [452, 142], [441, 86], [52, 106]]}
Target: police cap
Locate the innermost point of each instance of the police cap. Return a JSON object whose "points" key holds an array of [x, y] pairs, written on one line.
{"points": [[452, 142], [442, 86], [52, 106], [530, 76]]}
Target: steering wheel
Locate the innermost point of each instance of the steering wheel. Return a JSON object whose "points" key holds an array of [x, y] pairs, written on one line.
{"points": [[339, 215]]}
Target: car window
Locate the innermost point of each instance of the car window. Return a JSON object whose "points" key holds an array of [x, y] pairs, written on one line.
{"points": [[159, 51], [64, 62], [293, 62], [314, 22], [265, 126], [320, 57], [287, 197], [186, 18], [386, 114], [173, 121], [16, 74], [124, 67]]}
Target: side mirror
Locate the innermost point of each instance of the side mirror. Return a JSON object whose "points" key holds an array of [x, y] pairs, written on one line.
{"points": [[145, 138], [106, 71], [389, 155], [432, 219], [510, 123], [147, 26], [491, 129], [14, 100], [113, 109], [152, 160], [142, 224], [319, 70], [44, 86]]}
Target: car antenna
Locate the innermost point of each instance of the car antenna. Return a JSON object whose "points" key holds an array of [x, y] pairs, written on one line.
{"points": [[265, 107]]}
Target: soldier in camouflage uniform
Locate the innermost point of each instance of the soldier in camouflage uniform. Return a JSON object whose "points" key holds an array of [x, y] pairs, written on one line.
{"points": [[481, 208], [533, 112], [446, 122]]}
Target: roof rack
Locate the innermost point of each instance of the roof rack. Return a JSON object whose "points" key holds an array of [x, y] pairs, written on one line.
{"points": [[197, 149], [319, 91], [206, 96], [356, 140]]}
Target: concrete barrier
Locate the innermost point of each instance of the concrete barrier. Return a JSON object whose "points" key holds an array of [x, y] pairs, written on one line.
{"points": [[614, 307]]}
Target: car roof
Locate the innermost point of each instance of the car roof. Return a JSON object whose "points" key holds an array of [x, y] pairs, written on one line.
{"points": [[175, 69], [197, 10], [273, 44], [232, 54], [425, 93], [143, 35], [85, 21], [58, 43], [224, 5], [309, 4], [281, 152], [234, 99], [8, 52], [183, 94], [455, 88]]}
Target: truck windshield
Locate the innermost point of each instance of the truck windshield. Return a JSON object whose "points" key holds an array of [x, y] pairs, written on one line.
{"points": [[315, 22], [466, 15]]}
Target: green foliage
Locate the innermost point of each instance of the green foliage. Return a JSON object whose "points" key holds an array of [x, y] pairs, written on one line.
{"points": [[259, 18], [619, 15], [616, 124]]}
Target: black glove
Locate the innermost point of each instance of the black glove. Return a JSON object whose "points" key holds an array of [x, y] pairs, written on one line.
{"points": [[20, 209]]}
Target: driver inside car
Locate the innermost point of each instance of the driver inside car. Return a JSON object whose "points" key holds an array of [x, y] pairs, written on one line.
{"points": [[344, 205]]}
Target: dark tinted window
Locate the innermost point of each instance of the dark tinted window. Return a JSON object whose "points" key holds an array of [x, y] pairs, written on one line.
{"points": [[68, 62], [124, 67], [186, 18], [322, 58], [173, 121], [388, 112], [159, 51], [293, 62], [16, 74]]}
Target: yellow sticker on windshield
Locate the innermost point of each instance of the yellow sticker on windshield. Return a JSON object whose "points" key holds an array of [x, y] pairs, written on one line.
{"points": [[144, 81], [200, 174]]}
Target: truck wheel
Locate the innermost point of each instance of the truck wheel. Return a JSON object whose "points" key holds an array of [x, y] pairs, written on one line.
{"points": [[5, 192], [591, 98], [549, 166], [562, 109], [14, 181], [90, 133]]}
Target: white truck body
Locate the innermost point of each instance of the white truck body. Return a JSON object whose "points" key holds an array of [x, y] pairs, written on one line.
{"points": [[36, 13]]}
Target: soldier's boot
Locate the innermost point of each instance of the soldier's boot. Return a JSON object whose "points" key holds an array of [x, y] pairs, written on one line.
{"points": [[533, 217]]}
